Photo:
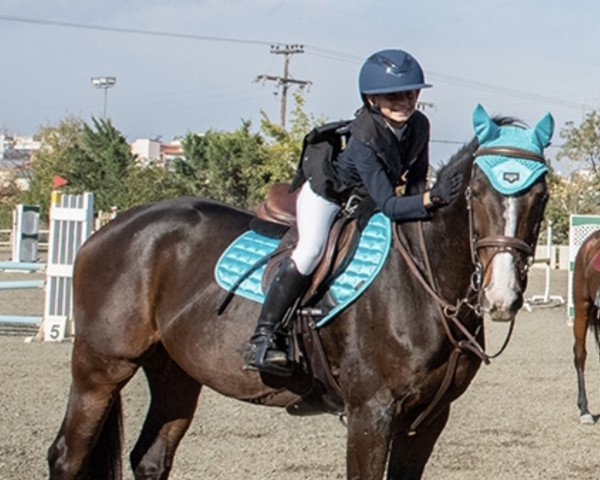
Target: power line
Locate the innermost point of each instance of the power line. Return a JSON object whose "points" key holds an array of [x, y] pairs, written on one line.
{"points": [[487, 87], [311, 50], [155, 33]]}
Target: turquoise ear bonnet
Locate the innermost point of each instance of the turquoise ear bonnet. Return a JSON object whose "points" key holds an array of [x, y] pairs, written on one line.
{"points": [[510, 175]]}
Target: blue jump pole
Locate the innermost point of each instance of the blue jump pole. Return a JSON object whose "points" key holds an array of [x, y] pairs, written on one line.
{"points": [[21, 284], [27, 266], [21, 319]]}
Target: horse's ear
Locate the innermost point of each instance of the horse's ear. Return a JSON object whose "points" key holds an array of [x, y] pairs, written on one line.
{"points": [[485, 128], [542, 132]]}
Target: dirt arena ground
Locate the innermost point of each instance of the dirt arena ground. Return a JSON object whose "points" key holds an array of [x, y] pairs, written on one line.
{"points": [[518, 420]]}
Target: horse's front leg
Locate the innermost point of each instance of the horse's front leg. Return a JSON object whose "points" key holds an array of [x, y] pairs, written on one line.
{"points": [[583, 310], [369, 435], [409, 453]]}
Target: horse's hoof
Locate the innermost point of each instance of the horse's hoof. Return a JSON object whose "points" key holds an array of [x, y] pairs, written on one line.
{"points": [[587, 419]]}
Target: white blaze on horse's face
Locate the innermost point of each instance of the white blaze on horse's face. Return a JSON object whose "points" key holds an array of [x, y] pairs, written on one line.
{"points": [[503, 290]]}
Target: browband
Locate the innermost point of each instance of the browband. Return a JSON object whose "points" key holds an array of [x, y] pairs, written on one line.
{"points": [[509, 152]]}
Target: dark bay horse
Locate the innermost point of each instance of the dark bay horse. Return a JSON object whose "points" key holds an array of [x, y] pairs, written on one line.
{"points": [[145, 296], [586, 300]]}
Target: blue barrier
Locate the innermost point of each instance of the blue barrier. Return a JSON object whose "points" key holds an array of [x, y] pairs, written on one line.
{"points": [[25, 266], [25, 320], [21, 319], [21, 284]]}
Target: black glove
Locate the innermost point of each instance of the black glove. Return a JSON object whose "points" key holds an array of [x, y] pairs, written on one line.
{"points": [[445, 190]]}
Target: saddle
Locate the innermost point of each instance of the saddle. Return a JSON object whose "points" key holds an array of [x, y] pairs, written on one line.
{"points": [[280, 208]]}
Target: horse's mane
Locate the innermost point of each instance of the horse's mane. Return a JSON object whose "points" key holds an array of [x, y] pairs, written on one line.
{"points": [[463, 159]]}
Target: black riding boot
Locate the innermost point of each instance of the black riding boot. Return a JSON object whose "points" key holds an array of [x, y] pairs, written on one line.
{"points": [[263, 353]]}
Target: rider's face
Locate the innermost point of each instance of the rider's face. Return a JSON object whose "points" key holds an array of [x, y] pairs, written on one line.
{"points": [[396, 107]]}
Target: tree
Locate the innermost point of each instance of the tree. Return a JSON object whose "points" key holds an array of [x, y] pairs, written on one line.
{"points": [[92, 158], [61, 149], [238, 167], [10, 196], [145, 184], [105, 164], [224, 166], [284, 147], [234, 167], [582, 143], [192, 170], [577, 194]]}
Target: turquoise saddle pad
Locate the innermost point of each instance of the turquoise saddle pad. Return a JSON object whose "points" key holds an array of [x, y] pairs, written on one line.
{"points": [[249, 248]]}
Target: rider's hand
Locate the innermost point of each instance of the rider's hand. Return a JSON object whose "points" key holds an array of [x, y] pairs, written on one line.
{"points": [[445, 191]]}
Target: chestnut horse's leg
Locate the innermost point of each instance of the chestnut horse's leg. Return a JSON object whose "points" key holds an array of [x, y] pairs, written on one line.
{"points": [[174, 396], [369, 434], [583, 310], [88, 442], [409, 454]]}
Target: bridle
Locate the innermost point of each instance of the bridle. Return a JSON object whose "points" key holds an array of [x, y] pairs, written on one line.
{"points": [[519, 249], [522, 252]]}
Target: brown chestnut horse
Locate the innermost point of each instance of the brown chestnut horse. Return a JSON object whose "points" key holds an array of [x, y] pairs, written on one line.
{"points": [[145, 296], [586, 301]]}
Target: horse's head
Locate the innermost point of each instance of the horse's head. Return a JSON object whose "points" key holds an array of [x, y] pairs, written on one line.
{"points": [[506, 195]]}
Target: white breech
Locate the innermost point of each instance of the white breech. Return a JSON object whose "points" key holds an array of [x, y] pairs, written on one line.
{"points": [[314, 216]]}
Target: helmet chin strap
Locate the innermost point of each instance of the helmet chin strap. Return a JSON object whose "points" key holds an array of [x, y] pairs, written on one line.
{"points": [[370, 105]]}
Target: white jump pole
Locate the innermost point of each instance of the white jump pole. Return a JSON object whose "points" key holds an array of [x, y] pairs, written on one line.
{"points": [[546, 298]]}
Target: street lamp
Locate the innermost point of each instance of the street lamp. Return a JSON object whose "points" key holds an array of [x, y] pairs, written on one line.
{"points": [[105, 83]]}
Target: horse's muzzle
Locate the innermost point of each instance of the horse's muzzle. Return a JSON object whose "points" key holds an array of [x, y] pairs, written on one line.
{"points": [[502, 308]]}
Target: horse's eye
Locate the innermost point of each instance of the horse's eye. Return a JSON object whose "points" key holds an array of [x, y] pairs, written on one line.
{"points": [[476, 193]]}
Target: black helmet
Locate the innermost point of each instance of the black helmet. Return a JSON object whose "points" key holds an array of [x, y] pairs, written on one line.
{"points": [[390, 71]]}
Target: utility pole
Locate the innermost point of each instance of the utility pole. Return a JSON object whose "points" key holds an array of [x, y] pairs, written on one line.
{"points": [[285, 80]]}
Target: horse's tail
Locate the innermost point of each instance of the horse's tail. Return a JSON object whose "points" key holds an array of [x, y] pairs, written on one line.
{"points": [[105, 458]]}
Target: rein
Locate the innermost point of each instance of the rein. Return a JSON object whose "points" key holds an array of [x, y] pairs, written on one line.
{"points": [[448, 312]]}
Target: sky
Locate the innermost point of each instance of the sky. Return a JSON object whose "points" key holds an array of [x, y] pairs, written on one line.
{"points": [[191, 65]]}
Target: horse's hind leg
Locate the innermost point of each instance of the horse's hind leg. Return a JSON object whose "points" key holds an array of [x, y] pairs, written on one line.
{"points": [[583, 311], [174, 396], [89, 439]]}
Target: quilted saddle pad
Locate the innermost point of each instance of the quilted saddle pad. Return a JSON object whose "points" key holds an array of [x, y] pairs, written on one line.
{"points": [[246, 252]]}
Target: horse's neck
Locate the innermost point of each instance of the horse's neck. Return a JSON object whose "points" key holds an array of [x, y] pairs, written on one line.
{"points": [[441, 248]]}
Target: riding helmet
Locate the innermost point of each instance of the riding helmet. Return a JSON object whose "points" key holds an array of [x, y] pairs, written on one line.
{"points": [[390, 71]]}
